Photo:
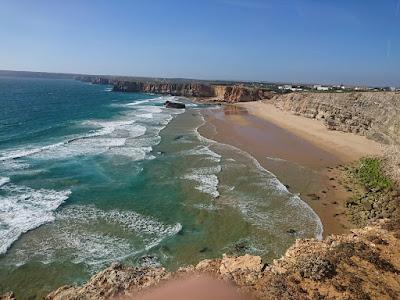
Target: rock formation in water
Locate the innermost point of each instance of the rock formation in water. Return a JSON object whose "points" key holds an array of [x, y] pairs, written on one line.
{"points": [[361, 265]]}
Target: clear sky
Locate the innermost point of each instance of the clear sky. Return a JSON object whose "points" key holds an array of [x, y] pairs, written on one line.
{"points": [[328, 41]]}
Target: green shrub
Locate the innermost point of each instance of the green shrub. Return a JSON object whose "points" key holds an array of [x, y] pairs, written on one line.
{"points": [[369, 173]]}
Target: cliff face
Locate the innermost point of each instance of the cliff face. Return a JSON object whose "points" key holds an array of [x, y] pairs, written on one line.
{"points": [[361, 265], [175, 89], [373, 114], [237, 93], [223, 93]]}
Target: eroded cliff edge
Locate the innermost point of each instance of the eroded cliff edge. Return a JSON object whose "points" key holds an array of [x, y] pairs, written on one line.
{"points": [[205, 90], [218, 93], [375, 115], [361, 265]]}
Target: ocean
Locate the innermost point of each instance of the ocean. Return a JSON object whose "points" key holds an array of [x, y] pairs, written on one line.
{"points": [[89, 176]]}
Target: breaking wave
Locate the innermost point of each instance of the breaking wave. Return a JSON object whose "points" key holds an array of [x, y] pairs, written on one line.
{"points": [[23, 208]]}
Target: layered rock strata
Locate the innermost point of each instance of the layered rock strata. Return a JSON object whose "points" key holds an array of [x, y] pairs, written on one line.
{"points": [[375, 115]]}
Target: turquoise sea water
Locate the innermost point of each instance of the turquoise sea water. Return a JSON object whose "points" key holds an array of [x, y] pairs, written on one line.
{"points": [[89, 176]]}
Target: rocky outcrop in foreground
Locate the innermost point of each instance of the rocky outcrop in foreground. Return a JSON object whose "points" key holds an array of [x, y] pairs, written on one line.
{"points": [[373, 114], [361, 265]]}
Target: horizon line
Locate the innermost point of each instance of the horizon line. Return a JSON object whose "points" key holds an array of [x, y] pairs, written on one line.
{"points": [[194, 79]]}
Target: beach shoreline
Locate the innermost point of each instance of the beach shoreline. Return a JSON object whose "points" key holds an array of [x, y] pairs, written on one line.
{"points": [[306, 167], [346, 146]]}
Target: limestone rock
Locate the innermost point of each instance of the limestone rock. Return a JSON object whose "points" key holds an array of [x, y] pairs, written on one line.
{"points": [[361, 265], [245, 263], [113, 281], [375, 115], [8, 296]]}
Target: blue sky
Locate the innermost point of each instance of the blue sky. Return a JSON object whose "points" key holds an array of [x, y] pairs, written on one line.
{"points": [[327, 41]]}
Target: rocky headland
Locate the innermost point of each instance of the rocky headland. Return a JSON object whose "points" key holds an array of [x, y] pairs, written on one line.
{"points": [[175, 89], [203, 90]]}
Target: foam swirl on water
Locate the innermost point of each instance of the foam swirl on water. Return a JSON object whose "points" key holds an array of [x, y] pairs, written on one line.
{"points": [[74, 234], [23, 208]]}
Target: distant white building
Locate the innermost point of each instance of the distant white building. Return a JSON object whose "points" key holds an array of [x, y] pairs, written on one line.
{"points": [[319, 87], [288, 87], [322, 88]]}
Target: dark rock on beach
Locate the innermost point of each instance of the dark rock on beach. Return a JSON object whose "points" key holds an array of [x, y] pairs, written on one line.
{"points": [[170, 104]]}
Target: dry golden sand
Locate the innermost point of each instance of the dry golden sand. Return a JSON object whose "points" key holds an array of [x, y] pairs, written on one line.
{"points": [[347, 146], [301, 152]]}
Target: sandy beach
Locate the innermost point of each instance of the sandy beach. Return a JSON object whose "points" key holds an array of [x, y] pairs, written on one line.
{"points": [[346, 146], [301, 152]]}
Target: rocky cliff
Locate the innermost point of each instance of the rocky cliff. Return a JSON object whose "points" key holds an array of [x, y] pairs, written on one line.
{"points": [[361, 265], [175, 89], [239, 93], [225, 93], [208, 91], [373, 114]]}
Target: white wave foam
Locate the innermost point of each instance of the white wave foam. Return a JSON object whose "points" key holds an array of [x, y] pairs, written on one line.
{"points": [[204, 150], [157, 100], [146, 116], [151, 109], [137, 103], [105, 137], [84, 146], [271, 182], [206, 178], [13, 165], [97, 142], [77, 236], [23, 208], [134, 154], [107, 127], [17, 153], [4, 180]]}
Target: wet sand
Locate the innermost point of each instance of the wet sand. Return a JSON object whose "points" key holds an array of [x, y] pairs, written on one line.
{"points": [[304, 167]]}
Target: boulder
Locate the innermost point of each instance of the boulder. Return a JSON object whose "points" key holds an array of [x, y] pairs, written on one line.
{"points": [[170, 104]]}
